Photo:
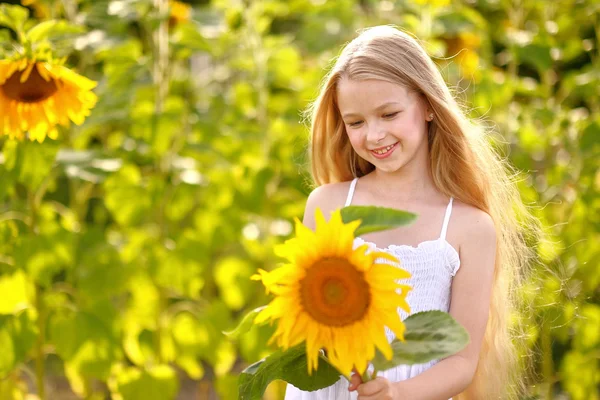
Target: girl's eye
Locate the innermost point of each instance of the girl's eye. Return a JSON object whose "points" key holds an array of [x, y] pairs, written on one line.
{"points": [[353, 124], [391, 115]]}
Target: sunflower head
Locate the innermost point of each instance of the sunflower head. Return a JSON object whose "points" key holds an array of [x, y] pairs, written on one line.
{"points": [[180, 12], [333, 296], [37, 96]]}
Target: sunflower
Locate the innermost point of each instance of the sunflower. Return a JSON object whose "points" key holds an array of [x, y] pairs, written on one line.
{"points": [[37, 96], [180, 12], [333, 296]]}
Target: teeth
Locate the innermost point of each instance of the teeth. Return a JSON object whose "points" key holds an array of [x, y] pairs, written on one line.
{"points": [[383, 151]]}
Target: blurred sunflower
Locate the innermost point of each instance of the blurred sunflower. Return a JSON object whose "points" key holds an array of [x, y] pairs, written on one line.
{"points": [[41, 10], [37, 96], [179, 12], [465, 47], [333, 296]]}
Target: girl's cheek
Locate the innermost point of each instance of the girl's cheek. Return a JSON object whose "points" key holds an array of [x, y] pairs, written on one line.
{"points": [[354, 138]]}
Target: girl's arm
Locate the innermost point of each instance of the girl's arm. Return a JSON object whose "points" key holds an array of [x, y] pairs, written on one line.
{"points": [[470, 303]]}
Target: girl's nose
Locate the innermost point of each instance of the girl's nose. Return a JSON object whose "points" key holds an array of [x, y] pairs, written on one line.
{"points": [[375, 134]]}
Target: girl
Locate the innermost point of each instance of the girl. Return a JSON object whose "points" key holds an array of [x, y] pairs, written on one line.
{"points": [[387, 132]]}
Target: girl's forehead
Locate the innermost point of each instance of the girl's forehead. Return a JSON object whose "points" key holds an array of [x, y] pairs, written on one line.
{"points": [[372, 92]]}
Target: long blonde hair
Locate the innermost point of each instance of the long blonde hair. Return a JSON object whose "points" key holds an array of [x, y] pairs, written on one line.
{"points": [[464, 165]]}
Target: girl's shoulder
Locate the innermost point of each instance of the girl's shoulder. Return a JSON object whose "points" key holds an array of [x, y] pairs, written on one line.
{"points": [[468, 222], [327, 198]]}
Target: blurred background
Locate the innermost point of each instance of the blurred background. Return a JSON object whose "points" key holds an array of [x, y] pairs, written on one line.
{"points": [[127, 243]]}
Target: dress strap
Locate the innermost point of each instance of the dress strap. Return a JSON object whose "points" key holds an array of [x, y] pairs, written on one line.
{"points": [[446, 219], [351, 192]]}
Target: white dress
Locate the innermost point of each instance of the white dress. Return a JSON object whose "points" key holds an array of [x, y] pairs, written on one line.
{"points": [[433, 264]]}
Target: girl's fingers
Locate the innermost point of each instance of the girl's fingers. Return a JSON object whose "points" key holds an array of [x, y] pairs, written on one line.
{"points": [[354, 381]]}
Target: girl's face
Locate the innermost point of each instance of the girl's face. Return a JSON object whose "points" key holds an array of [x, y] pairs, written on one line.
{"points": [[386, 124]]}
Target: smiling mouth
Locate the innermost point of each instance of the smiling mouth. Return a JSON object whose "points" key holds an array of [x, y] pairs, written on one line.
{"points": [[384, 150]]}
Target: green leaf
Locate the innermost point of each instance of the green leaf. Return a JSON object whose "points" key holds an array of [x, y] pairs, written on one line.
{"points": [[245, 325], [537, 55], [126, 195], [156, 383], [86, 343], [29, 162], [13, 16], [429, 335], [188, 36], [45, 256], [376, 218], [17, 336], [290, 366], [16, 291], [53, 29], [589, 140], [7, 356]]}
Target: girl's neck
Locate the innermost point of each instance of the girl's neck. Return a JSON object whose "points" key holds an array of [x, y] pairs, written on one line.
{"points": [[402, 185]]}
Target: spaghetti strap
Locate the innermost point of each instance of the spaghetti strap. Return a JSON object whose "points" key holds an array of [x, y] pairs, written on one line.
{"points": [[351, 192], [446, 219]]}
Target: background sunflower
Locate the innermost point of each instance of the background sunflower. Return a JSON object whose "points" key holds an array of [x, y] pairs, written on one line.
{"points": [[36, 96]]}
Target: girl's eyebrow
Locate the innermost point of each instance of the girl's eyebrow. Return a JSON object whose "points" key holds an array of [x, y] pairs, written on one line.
{"points": [[389, 103]]}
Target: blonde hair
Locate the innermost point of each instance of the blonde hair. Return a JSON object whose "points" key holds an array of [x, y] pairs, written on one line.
{"points": [[464, 165]]}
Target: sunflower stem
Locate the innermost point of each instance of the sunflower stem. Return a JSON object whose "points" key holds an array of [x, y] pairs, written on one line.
{"points": [[366, 376]]}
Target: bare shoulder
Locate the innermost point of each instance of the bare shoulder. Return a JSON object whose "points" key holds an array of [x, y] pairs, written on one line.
{"points": [[472, 226], [327, 198]]}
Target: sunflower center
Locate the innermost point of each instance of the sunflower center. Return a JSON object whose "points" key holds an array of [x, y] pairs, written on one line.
{"points": [[334, 292], [34, 89]]}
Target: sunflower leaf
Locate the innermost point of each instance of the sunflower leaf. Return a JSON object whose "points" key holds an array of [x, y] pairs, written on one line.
{"points": [[53, 29], [13, 16], [376, 218], [429, 335], [290, 366], [245, 325]]}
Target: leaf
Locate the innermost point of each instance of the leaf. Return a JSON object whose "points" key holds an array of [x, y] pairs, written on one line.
{"points": [[290, 366], [7, 357], [30, 162], [18, 334], [188, 36], [53, 29], [126, 196], [537, 55], [13, 16], [155, 383], [429, 335], [16, 290], [245, 325], [85, 342], [376, 218], [588, 141]]}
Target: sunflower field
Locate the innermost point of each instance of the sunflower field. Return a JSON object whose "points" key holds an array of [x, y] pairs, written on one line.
{"points": [[153, 152]]}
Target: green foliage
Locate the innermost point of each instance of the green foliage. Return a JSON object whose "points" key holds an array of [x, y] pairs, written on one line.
{"points": [[127, 244], [13, 17], [375, 219], [291, 366], [429, 335]]}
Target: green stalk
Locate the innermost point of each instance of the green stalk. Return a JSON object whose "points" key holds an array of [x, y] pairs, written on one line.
{"points": [[366, 376], [160, 76], [39, 347], [41, 317]]}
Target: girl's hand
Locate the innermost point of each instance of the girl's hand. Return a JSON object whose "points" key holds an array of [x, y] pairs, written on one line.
{"points": [[378, 389]]}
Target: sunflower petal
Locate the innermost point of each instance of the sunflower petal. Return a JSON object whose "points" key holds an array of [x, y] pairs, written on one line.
{"points": [[68, 98]]}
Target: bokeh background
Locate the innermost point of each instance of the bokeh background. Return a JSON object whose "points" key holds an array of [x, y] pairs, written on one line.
{"points": [[126, 245]]}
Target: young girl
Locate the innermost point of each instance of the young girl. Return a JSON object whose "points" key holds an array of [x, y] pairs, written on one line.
{"points": [[386, 131]]}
